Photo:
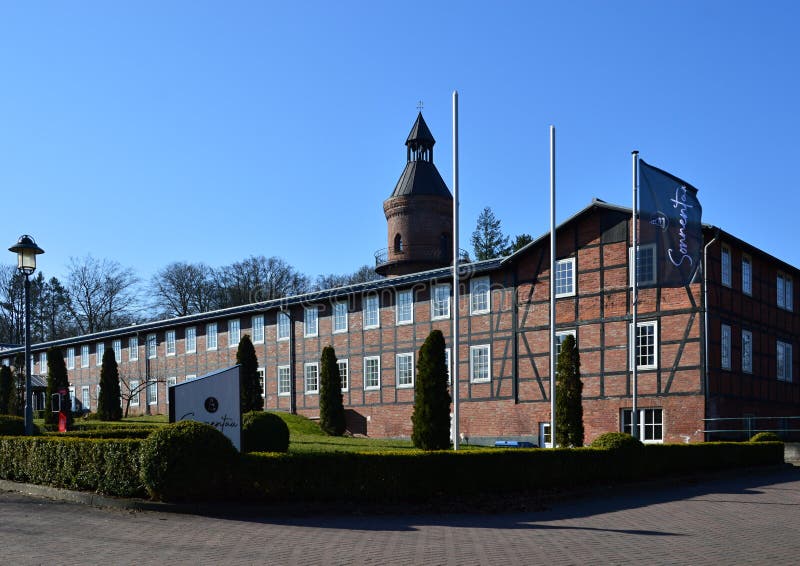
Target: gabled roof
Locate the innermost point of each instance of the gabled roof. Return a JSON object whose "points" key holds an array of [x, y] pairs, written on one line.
{"points": [[421, 178], [420, 134]]}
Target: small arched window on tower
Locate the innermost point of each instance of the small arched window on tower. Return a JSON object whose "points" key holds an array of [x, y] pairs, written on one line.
{"points": [[398, 244]]}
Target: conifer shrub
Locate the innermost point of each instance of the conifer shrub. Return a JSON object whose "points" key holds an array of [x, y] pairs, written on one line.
{"points": [[57, 381], [264, 432], [765, 437], [250, 392], [187, 460], [431, 416], [331, 405], [8, 391], [109, 401], [569, 390]]}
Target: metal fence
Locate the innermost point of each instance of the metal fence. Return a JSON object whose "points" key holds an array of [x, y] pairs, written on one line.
{"points": [[742, 428]]}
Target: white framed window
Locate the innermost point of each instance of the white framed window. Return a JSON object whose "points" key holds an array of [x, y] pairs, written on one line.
{"points": [[561, 334], [133, 348], [646, 273], [310, 322], [86, 400], [73, 402], [545, 438], [190, 376], [169, 342], [784, 361], [372, 309], [190, 339], [234, 333], [262, 373], [99, 350], [747, 275], [43, 363], [372, 372], [725, 265], [644, 353], [404, 368], [134, 392], [340, 317], [747, 351], [116, 345], [565, 277], [211, 336], [480, 367], [785, 289], [344, 373], [70, 358], [283, 326], [649, 423], [440, 301], [479, 295], [173, 380], [311, 377], [725, 346], [85, 356], [284, 380], [404, 307], [257, 324], [152, 392], [152, 346]]}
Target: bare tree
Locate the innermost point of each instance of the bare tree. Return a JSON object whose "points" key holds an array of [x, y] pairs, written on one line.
{"points": [[183, 288], [134, 387], [361, 275], [12, 305], [258, 278]]}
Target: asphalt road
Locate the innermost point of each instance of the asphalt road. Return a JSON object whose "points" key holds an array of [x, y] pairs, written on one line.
{"points": [[752, 518]]}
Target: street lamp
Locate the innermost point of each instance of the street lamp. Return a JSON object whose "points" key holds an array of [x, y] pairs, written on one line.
{"points": [[27, 250]]}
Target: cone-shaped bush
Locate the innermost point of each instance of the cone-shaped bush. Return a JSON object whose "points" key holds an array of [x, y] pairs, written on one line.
{"points": [[431, 417], [57, 381], [109, 400], [569, 401], [331, 407], [250, 381], [8, 391]]}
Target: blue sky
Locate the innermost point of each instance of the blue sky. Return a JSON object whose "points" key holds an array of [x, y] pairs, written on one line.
{"points": [[150, 132]]}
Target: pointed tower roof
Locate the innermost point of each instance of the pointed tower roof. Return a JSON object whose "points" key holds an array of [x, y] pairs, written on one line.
{"points": [[420, 176], [420, 134]]}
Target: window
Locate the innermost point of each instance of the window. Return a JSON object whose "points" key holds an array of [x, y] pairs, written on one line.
{"points": [[479, 367], [116, 345], [311, 375], [190, 376], [284, 377], [648, 423], [448, 364], [404, 309], [405, 370], [152, 346], [85, 356], [371, 312], [747, 351], [645, 265], [310, 322], [725, 347], [70, 358], [234, 333], [134, 392], [43, 363], [261, 380], [440, 301], [747, 275], [784, 361], [340, 317], [372, 372], [169, 338], [560, 338], [565, 277], [283, 326], [258, 329], [211, 336], [86, 403], [99, 350], [785, 292], [545, 438], [479, 301], [726, 265], [191, 339], [170, 382], [133, 348], [152, 392], [344, 373], [645, 350], [73, 402]]}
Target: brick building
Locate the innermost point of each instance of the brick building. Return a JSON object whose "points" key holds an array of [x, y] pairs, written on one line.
{"points": [[719, 348]]}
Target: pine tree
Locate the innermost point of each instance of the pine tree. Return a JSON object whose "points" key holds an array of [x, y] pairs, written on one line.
{"points": [[109, 403], [487, 239], [331, 407], [57, 381], [569, 407], [431, 416], [8, 391], [250, 392]]}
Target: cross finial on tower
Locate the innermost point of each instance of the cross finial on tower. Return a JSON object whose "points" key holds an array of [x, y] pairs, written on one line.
{"points": [[420, 105]]}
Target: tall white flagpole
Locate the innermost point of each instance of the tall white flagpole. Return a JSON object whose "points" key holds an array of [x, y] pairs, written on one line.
{"points": [[454, 377], [634, 295], [552, 286]]}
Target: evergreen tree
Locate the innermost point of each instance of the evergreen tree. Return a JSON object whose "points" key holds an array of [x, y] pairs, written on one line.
{"points": [[250, 392], [8, 391], [431, 417], [569, 407], [57, 380], [520, 242], [109, 404], [331, 407], [487, 239]]}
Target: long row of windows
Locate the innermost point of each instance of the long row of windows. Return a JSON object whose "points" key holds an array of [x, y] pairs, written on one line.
{"points": [[783, 354], [784, 285]]}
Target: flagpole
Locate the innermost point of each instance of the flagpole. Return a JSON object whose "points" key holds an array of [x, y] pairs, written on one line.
{"points": [[634, 295], [552, 286], [454, 379]]}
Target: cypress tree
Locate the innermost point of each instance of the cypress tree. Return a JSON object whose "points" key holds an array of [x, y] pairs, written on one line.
{"points": [[331, 406], [109, 403], [57, 379], [7, 391], [569, 405], [249, 379], [431, 417]]}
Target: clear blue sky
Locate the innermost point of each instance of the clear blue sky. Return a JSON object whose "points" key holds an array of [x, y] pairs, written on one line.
{"points": [[155, 131]]}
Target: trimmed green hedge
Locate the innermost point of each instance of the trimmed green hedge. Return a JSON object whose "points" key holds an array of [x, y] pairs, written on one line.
{"points": [[106, 432]]}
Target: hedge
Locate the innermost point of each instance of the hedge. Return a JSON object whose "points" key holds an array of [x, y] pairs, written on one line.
{"points": [[106, 432]]}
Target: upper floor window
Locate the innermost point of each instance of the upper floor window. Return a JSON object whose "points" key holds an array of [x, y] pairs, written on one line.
{"points": [[169, 341], [310, 322], [725, 347], [372, 372], [645, 265], [99, 350], [479, 296], [565, 277], [726, 265], [312, 377], [405, 370], [440, 301], [116, 345], [479, 367], [344, 373], [152, 346], [85, 356], [371, 311], [133, 348], [191, 339], [644, 353], [234, 333], [785, 292], [283, 326], [43, 363], [405, 307], [340, 316], [258, 328], [747, 351], [211, 336], [70, 358], [784, 361], [747, 275]]}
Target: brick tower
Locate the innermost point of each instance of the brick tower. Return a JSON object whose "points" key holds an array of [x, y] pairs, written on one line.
{"points": [[419, 213]]}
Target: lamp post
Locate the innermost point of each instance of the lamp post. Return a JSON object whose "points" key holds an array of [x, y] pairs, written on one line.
{"points": [[27, 250]]}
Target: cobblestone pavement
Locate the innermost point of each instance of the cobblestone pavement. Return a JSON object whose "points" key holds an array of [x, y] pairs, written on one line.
{"points": [[753, 518]]}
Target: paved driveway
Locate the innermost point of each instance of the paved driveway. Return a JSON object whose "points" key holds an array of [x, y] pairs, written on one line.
{"points": [[749, 519]]}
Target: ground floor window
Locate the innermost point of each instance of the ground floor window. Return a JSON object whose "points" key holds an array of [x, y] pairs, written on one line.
{"points": [[649, 424], [545, 437]]}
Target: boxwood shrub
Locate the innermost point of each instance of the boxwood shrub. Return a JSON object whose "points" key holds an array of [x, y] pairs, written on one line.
{"points": [[766, 437], [11, 425], [264, 432]]}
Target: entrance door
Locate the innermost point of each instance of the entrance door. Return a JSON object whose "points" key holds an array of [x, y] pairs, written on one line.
{"points": [[545, 440]]}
